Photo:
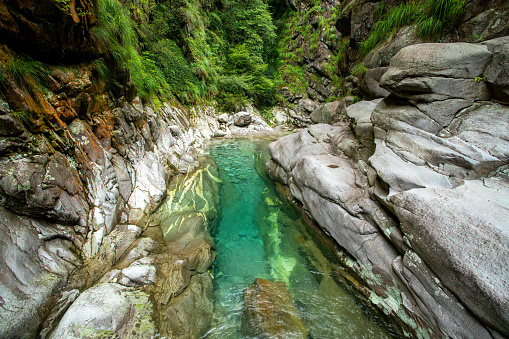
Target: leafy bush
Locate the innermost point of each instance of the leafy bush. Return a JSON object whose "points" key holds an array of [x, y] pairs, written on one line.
{"points": [[116, 37]]}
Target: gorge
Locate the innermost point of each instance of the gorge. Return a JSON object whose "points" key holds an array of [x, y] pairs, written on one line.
{"points": [[114, 218]]}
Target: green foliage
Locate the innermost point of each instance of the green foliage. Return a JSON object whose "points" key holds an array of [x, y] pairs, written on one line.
{"points": [[115, 35], [429, 16], [26, 72], [359, 70], [356, 99], [177, 71], [21, 116], [315, 28], [245, 80], [65, 4], [194, 50], [101, 70]]}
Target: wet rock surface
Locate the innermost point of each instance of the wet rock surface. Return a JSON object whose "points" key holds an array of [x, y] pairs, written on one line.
{"points": [[414, 189], [269, 311]]}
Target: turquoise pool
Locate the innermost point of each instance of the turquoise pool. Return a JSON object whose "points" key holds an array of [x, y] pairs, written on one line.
{"points": [[259, 235]]}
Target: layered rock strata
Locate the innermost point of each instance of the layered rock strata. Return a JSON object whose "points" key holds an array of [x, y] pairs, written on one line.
{"points": [[80, 173], [415, 189]]}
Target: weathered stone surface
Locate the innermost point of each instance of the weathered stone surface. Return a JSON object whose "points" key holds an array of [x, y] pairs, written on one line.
{"points": [[453, 60], [269, 311], [370, 83], [223, 118], [487, 23], [219, 134], [58, 32], [108, 309], [9, 126], [308, 105], [437, 259], [414, 137], [497, 73], [33, 268], [362, 19], [150, 187], [468, 229], [242, 119], [287, 152], [43, 187], [190, 314], [141, 272], [326, 113], [382, 54], [360, 113]]}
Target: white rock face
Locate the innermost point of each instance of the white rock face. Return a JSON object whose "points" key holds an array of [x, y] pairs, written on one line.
{"points": [[141, 272], [91, 315], [91, 202]]}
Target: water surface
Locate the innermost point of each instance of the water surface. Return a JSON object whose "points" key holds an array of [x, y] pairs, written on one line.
{"points": [[258, 235]]}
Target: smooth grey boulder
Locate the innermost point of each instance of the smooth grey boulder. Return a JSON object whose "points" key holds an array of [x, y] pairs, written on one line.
{"points": [[360, 115], [141, 272], [370, 83], [486, 127], [436, 303], [242, 119], [416, 138], [108, 309], [308, 105], [219, 133], [287, 152], [326, 113], [468, 227], [403, 175], [429, 89], [452, 60], [443, 111]]}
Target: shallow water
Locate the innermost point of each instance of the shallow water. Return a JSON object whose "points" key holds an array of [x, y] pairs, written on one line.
{"points": [[259, 236]]}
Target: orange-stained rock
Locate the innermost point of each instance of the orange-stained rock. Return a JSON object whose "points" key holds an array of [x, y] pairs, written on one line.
{"points": [[87, 140], [269, 311]]}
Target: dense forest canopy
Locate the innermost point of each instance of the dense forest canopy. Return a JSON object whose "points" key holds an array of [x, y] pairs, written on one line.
{"points": [[238, 52]]}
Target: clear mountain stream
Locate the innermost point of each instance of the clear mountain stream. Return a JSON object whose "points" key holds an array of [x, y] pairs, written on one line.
{"points": [[259, 235]]}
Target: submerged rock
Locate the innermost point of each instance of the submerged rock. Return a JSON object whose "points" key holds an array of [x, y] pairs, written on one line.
{"points": [[269, 311]]}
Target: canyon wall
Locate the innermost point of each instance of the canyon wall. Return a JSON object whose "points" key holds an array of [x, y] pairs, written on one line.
{"points": [[414, 188]]}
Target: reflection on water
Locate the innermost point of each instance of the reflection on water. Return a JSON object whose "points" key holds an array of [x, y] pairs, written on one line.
{"points": [[259, 236]]}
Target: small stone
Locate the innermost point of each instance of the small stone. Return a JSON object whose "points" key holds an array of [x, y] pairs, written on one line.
{"points": [[223, 118], [242, 119], [219, 134]]}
